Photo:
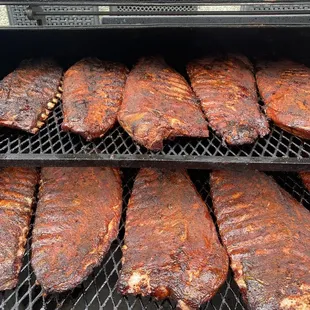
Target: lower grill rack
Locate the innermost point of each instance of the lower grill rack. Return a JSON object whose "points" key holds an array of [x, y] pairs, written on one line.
{"points": [[99, 290], [51, 146]]}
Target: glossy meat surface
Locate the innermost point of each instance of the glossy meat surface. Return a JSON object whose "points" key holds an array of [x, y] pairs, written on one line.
{"points": [[159, 104], [227, 91], [93, 92], [285, 88], [305, 176], [267, 235], [26, 92], [171, 244], [77, 219], [17, 188]]}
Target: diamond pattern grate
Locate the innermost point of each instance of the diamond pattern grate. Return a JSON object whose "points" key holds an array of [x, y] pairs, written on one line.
{"points": [[51, 140], [99, 290]]}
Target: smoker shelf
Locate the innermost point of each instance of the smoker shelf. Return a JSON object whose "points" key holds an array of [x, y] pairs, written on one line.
{"points": [[53, 147], [99, 290]]}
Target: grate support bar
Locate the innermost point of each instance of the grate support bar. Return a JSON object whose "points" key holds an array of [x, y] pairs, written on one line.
{"points": [[156, 161]]}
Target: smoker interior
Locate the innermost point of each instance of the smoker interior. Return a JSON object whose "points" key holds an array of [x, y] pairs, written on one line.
{"points": [[99, 289], [178, 46]]}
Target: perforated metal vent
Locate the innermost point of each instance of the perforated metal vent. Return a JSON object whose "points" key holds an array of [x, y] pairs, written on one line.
{"points": [[274, 7], [154, 8], [18, 18]]}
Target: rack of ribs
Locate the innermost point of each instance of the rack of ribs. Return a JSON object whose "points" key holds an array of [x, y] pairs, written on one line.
{"points": [[285, 88], [267, 236], [159, 104], [28, 94], [77, 219], [227, 92], [305, 176], [171, 244], [17, 189], [93, 92]]}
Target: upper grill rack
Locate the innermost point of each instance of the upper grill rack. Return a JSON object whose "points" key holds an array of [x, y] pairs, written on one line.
{"points": [[99, 290], [52, 146], [145, 14]]}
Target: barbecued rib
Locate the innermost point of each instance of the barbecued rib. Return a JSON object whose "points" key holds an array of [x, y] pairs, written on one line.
{"points": [[171, 245], [285, 88], [159, 104], [17, 187], [267, 236], [93, 91], [77, 219], [29, 93], [227, 91], [305, 176]]}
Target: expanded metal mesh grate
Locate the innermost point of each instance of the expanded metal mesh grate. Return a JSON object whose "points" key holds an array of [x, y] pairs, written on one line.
{"points": [[99, 290], [52, 140]]}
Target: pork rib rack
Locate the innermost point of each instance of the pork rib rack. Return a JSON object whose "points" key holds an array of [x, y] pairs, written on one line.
{"points": [[171, 244], [77, 219], [285, 88], [29, 93], [93, 92], [17, 189], [226, 88], [159, 104], [267, 236]]}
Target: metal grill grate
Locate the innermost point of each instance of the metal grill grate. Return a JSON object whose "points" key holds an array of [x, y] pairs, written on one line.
{"points": [[99, 290], [51, 143]]}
